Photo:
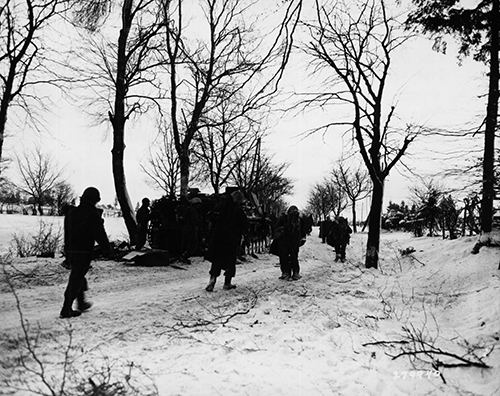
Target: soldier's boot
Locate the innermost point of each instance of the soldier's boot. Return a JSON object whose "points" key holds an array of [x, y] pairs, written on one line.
{"points": [[82, 304], [67, 311], [296, 276], [227, 284], [287, 277], [65, 314], [211, 284]]}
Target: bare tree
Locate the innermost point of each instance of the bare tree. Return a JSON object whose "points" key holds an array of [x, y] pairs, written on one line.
{"points": [[9, 194], [39, 176], [24, 63], [221, 147], [325, 198], [162, 167], [258, 174], [355, 183], [233, 61], [124, 76], [272, 186], [357, 46], [61, 196]]}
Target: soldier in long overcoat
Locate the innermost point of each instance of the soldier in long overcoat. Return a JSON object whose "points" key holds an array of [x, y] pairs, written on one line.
{"points": [[229, 223]]}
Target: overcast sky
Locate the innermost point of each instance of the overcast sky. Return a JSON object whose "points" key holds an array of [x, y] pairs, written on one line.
{"points": [[428, 88]]}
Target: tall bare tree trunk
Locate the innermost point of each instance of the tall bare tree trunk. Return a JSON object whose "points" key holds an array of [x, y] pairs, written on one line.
{"points": [[491, 124], [4, 104], [184, 165], [8, 93], [118, 120], [354, 228], [373, 243]]}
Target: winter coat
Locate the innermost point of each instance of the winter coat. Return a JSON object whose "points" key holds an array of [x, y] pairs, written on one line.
{"points": [[289, 234], [83, 226], [324, 228], [339, 233], [143, 216], [228, 224]]}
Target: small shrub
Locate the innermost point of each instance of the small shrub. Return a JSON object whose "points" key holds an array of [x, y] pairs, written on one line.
{"points": [[22, 246], [45, 243], [48, 240]]}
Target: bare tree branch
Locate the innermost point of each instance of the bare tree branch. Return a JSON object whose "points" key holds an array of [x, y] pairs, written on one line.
{"points": [[355, 44]]}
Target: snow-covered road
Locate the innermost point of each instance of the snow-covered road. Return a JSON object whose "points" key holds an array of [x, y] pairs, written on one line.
{"points": [[274, 337]]}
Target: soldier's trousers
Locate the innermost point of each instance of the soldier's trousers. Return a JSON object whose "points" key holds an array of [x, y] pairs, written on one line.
{"points": [[289, 262], [142, 235], [226, 263], [77, 284], [340, 250]]}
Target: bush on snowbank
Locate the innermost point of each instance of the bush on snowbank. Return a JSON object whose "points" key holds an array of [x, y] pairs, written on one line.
{"points": [[45, 243]]}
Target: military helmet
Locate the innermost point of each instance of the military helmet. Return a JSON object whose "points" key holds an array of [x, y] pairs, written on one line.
{"points": [[90, 196]]}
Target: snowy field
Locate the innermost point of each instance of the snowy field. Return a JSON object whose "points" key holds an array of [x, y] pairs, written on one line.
{"points": [[20, 224], [340, 330]]}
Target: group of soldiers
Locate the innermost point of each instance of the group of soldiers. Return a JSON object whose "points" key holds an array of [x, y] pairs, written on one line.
{"points": [[183, 226], [213, 227], [336, 233], [219, 228]]}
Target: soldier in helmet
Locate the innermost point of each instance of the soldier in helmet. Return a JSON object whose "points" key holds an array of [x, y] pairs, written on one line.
{"points": [[290, 235], [142, 216], [339, 236], [83, 226]]}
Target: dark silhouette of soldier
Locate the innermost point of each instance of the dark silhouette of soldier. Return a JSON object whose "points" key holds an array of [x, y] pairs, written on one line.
{"points": [[229, 223], [308, 224], [290, 235], [83, 226], [142, 216], [324, 229], [339, 237]]}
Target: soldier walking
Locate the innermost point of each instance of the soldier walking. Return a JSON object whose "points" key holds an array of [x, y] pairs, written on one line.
{"points": [[83, 226]]}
